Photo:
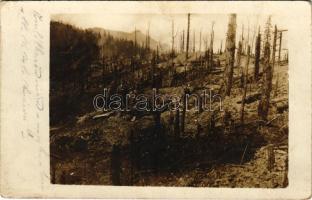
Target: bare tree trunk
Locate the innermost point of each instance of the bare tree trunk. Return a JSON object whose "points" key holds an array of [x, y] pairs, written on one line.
{"points": [[242, 40], [211, 46], [245, 85], [146, 40], [270, 157], [135, 40], [263, 108], [200, 43], [211, 59], [279, 62], [247, 42], [148, 37], [103, 71], [206, 53], [221, 48], [200, 39], [238, 63], [194, 41], [239, 54], [181, 45], [172, 45], [183, 41], [274, 48], [280, 47], [172, 39], [208, 59], [230, 54], [257, 56], [188, 35]]}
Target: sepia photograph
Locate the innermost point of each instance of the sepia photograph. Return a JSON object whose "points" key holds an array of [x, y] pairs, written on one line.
{"points": [[156, 100], [179, 100]]}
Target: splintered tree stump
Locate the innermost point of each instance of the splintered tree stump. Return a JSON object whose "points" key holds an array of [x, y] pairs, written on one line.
{"points": [[270, 157]]}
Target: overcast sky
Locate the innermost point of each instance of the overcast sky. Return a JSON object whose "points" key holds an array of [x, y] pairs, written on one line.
{"points": [[161, 25]]}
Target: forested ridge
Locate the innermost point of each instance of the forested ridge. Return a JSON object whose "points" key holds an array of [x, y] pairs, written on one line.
{"points": [[73, 52]]}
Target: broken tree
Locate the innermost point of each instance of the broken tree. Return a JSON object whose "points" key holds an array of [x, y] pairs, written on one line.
{"points": [[230, 54], [264, 103], [257, 56], [238, 60], [274, 47], [173, 35], [188, 35], [211, 47]]}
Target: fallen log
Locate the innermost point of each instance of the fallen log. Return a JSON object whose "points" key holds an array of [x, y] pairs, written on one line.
{"points": [[251, 98], [107, 114]]}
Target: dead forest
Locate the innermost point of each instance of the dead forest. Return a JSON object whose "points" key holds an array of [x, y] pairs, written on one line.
{"points": [[244, 144]]}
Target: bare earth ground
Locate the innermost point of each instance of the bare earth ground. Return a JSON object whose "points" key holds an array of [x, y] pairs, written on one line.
{"points": [[90, 164]]}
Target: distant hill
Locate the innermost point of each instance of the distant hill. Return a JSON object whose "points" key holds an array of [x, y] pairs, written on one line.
{"points": [[141, 37]]}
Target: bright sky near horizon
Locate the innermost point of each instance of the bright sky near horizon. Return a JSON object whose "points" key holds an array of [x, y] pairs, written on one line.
{"points": [[161, 24]]}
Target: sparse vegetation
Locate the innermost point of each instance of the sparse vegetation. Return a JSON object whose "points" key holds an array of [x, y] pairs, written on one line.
{"points": [[243, 145]]}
